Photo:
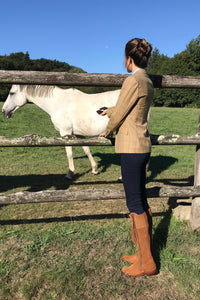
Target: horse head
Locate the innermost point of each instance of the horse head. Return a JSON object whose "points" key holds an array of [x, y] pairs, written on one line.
{"points": [[15, 100]]}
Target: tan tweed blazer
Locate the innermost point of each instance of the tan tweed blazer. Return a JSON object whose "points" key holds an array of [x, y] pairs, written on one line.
{"points": [[129, 117]]}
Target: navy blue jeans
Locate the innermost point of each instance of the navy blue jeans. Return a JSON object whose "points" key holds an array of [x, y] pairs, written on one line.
{"points": [[133, 167]]}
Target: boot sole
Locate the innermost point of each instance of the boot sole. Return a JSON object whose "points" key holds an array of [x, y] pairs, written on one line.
{"points": [[155, 272]]}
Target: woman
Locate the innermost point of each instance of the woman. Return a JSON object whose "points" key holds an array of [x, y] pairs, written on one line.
{"points": [[129, 119]]}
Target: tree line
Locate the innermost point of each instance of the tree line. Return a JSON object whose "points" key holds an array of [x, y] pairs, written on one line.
{"points": [[186, 63], [183, 64], [22, 62]]}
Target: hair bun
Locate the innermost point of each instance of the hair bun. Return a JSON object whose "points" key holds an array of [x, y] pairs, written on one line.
{"points": [[139, 50], [144, 47]]}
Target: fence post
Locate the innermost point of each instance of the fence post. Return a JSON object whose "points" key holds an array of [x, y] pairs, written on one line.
{"points": [[195, 209]]}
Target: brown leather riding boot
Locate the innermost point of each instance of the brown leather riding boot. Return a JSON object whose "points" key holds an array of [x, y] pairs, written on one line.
{"points": [[133, 258], [144, 264]]}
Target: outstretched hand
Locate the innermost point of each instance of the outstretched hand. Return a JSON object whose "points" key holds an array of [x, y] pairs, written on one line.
{"points": [[102, 134], [104, 112]]}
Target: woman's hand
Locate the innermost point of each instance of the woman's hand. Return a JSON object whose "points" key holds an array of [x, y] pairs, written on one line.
{"points": [[102, 134], [104, 112]]}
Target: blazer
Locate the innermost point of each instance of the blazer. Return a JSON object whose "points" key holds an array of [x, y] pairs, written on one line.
{"points": [[129, 117]]}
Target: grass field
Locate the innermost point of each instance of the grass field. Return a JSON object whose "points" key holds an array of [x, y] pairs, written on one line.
{"points": [[73, 250]]}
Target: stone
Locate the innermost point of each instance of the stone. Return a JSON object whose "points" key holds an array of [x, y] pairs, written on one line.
{"points": [[181, 208], [195, 214], [182, 212]]}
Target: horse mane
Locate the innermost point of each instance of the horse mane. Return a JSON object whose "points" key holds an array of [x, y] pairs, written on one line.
{"points": [[37, 90]]}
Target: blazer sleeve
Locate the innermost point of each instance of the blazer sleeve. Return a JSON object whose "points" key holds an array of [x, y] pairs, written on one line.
{"points": [[127, 98], [110, 111]]}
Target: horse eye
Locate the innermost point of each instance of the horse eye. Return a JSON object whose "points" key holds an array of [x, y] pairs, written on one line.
{"points": [[11, 93]]}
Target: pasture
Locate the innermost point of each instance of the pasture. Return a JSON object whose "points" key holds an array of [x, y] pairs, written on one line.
{"points": [[73, 250]]}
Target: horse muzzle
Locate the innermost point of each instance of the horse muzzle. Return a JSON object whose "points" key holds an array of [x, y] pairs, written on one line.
{"points": [[7, 114]]}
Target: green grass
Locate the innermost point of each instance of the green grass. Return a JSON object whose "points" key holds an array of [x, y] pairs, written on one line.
{"points": [[73, 250]]}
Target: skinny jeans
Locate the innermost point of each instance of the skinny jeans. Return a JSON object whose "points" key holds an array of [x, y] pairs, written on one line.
{"points": [[133, 168]]}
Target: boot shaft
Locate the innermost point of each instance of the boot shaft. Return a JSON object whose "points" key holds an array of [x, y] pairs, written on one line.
{"points": [[149, 217], [142, 236]]}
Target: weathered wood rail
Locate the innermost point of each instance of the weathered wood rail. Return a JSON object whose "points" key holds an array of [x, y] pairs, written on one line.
{"points": [[85, 79], [105, 80], [94, 194], [35, 140]]}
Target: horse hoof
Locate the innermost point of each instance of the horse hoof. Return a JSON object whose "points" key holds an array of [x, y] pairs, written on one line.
{"points": [[119, 179], [94, 172], [68, 177]]}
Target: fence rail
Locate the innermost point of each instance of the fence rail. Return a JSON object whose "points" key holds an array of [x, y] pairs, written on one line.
{"points": [[85, 79], [94, 194], [34, 140]]}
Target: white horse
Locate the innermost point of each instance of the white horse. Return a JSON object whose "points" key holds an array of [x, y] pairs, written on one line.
{"points": [[71, 112]]}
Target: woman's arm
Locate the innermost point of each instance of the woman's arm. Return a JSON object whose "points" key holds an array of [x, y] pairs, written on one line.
{"points": [[127, 98]]}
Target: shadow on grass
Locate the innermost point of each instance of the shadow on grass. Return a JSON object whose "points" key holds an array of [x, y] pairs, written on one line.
{"points": [[158, 164], [177, 182], [107, 159], [71, 218], [35, 183], [160, 236]]}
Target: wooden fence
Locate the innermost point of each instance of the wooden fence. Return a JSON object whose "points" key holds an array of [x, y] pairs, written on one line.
{"points": [[84, 79], [114, 80]]}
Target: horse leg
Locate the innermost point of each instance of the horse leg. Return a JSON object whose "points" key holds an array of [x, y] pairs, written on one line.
{"points": [[70, 162], [92, 161]]}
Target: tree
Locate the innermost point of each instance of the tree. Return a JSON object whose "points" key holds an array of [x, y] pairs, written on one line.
{"points": [[194, 46], [183, 64], [21, 61]]}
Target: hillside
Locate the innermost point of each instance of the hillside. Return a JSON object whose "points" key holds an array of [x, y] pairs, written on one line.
{"points": [[21, 61]]}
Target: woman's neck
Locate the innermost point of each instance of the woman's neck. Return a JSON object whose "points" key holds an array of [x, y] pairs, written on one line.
{"points": [[134, 68], [137, 69]]}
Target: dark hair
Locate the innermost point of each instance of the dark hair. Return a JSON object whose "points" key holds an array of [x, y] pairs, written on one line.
{"points": [[139, 50]]}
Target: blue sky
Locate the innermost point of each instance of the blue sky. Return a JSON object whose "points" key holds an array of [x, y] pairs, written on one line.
{"points": [[91, 34]]}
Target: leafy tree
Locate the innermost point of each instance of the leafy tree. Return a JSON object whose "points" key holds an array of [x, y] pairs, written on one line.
{"points": [[21, 61], [159, 63], [186, 63], [194, 45]]}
